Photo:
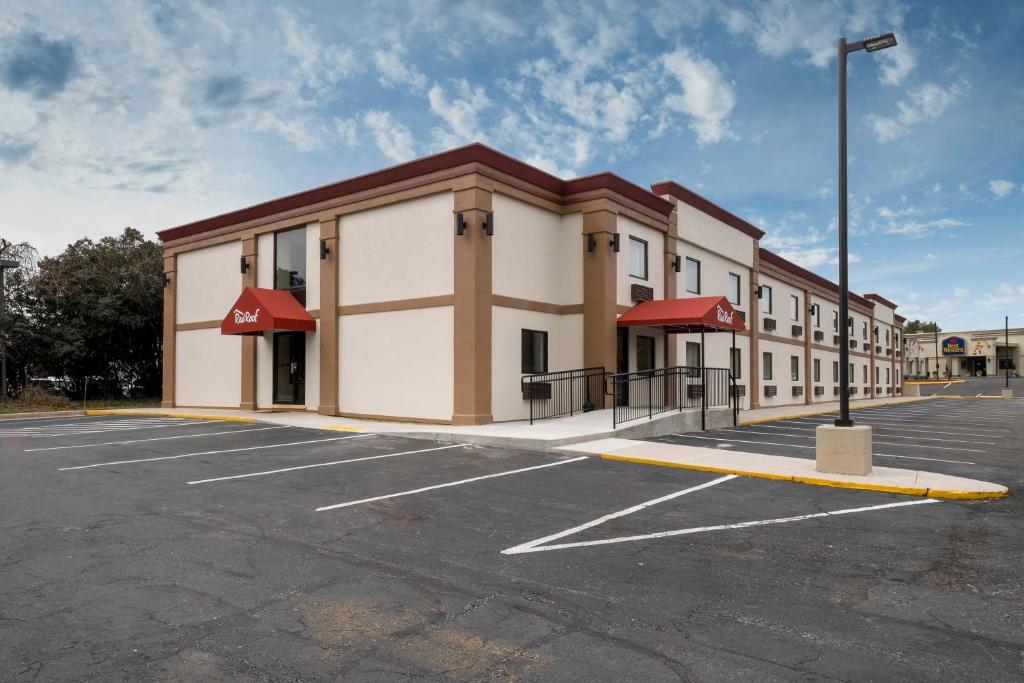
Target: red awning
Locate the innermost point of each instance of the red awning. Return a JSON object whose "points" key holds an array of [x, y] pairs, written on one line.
{"points": [[699, 314], [259, 310]]}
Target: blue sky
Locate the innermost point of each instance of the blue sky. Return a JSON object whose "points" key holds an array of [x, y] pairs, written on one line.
{"points": [[153, 114]]}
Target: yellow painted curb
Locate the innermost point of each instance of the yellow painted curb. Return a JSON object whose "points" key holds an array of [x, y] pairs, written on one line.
{"points": [[977, 398], [794, 416], [815, 481], [187, 416], [346, 428]]}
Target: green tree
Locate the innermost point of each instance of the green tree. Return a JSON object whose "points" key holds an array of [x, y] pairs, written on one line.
{"points": [[921, 326], [16, 334], [96, 313]]}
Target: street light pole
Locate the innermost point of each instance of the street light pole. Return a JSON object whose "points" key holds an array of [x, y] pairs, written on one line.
{"points": [[1006, 351], [870, 45]]}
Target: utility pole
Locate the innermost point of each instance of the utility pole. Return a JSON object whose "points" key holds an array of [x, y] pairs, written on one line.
{"points": [[1006, 351]]}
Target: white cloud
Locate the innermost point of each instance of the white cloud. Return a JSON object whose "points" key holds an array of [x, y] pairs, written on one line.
{"points": [[921, 228], [925, 103], [886, 212], [896, 64], [348, 131], [1001, 188], [706, 96], [461, 113], [393, 139], [936, 188], [393, 71]]}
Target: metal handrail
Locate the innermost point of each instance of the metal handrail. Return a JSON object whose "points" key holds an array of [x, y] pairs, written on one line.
{"points": [[646, 393], [566, 392]]}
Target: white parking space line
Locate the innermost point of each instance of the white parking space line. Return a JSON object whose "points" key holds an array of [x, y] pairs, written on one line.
{"points": [[92, 429], [40, 419], [158, 438], [793, 445], [322, 464], [450, 483], [229, 450], [878, 443], [929, 414], [887, 436], [615, 515], [882, 425], [719, 527], [919, 423]]}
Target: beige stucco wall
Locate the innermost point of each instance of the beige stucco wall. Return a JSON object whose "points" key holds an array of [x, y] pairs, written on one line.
{"points": [[398, 363], [781, 354], [565, 352], [655, 260], [536, 255], [313, 368], [208, 369], [716, 355], [398, 251], [697, 228], [209, 282]]}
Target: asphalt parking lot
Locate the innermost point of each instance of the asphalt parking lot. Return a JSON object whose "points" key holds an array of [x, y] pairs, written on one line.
{"points": [[974, 387], [142, 548]]}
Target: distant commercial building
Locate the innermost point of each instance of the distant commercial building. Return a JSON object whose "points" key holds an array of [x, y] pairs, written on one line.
{"points": [[426, 291], [978, 353]]}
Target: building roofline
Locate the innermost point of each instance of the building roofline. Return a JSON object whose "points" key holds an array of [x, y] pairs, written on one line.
{"points": [[688, 196], [475, 152], [882, 300], [804, 274], [899, 318]]}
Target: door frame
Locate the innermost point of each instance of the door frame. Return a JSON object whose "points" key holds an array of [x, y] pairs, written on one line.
{"points": [[298, 355]]}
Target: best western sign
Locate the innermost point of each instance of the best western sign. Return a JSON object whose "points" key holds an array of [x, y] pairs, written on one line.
{"points": [[954, 346]]}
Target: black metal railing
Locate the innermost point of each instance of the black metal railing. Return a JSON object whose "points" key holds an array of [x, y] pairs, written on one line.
{"points": [[553, 394], [647, 393]]}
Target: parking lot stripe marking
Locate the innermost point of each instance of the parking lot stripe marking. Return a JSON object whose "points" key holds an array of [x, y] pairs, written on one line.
{"points": [[880, 425], [896, 424], [722, 527], [793, 445], [323, 464], [158, 438], [451, 483], [103, 431], [880, 443], [614, 515], [190, 455], [886, 436]]}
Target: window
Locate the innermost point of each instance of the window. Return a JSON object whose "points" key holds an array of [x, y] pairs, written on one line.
{"points": [[794, 308], [835, 371], [737, 363], [693, 354], [692, 275], [878, 375], [734, 289], [865, 373], [887, 336], [637, 258], [794, 368], [817, 315], [876, 334], [864, 330], [766, 365], [766, 299], [817, 369], [644, 353], [535, 351], [888, 377], [835, 321], [290, 262], [851, 377]]}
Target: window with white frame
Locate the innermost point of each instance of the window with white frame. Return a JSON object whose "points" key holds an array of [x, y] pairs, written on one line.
{"points": [[766, 299], [637, 258], [734, 289], [794, 308], [766, 365], [794, 368], [692, 275]]}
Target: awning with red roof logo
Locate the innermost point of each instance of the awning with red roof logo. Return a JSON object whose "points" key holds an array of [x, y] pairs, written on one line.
{"points": [[697, 314], [262, 310]]}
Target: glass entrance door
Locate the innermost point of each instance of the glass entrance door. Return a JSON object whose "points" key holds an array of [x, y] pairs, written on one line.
{"points": [[290, 367]]}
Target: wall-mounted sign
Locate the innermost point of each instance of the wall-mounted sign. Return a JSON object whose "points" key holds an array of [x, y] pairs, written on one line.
{"points": [[954, 346]]}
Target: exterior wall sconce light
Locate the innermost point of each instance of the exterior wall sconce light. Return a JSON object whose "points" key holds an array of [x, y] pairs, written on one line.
{"points": [[677, 263], [615, 243], [460, 224], [489, 224], [591, 243], [815, 308], [244, 265], [167, 280], [324, 250], [760, 291]]}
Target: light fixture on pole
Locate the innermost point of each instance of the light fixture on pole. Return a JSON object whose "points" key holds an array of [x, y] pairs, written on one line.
{"points": [[843, 448]]}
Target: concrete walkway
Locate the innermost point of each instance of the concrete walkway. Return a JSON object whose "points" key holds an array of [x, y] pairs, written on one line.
{"points": [[800, 470]]}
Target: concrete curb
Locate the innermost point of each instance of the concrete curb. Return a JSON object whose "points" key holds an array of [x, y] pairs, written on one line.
{"points": [[977, 398], [188, 416], [937, 381], [43, 413], [795, 416], [818, 481]]}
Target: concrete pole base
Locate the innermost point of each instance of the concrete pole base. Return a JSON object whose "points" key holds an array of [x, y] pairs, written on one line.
{"points": [[843, 450], [1007, 393], [911, 389]]}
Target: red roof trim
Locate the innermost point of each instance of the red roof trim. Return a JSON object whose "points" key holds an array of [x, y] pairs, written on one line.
{"points": [[882, 300], [459, 156], [803, 273], [900, 319], [687, 196]]}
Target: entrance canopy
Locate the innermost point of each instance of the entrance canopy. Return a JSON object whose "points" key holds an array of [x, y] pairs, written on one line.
{"points": [[261, 310], [698, 314]]}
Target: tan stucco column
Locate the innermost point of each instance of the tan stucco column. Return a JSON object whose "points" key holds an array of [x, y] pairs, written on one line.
{"points": [[329, 380], [754, 393], [599, 298], [248, 341], [473, 293], [671, 284], [170, 322], [808, 361]]}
